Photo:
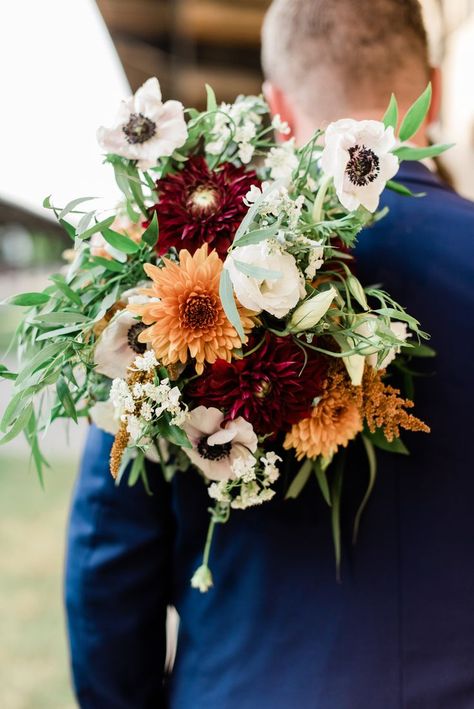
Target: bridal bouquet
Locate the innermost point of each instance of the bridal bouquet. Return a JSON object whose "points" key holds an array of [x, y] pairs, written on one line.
{"points": [[211, 320]]}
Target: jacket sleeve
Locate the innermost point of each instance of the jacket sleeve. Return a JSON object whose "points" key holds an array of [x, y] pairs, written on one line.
{"points": [[117, 583]]}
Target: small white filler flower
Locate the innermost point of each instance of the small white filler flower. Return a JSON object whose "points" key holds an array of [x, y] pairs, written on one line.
{"points": [[357, 156], [145, 128]]}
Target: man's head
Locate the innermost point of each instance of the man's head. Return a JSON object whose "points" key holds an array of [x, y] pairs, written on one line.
{"points": [[328, 59]]}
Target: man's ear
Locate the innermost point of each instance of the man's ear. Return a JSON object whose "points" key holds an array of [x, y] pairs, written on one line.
{"points": [[436, 85], [279, 104]]}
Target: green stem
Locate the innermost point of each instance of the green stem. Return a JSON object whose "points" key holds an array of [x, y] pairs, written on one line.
{"points": [[207, 548], [320, 197]]}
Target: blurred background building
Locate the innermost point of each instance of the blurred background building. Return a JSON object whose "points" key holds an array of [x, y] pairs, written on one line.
{"points": [[65, 66]]}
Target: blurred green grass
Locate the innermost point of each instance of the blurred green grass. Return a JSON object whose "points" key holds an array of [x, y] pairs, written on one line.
{"points": [[34, 672]]}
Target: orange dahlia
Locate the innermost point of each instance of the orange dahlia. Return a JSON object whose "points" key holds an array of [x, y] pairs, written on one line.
{"points": [[188, 320], [334, 421]]}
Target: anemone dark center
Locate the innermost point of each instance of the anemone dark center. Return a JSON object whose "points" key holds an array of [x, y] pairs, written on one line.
{"points": [[217, 452], [202, 200], [132, 337], [139, 128], [198, 312], [363, 166]]}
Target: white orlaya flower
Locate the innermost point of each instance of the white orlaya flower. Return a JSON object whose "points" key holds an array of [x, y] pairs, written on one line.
{"points": [[276, 295], [357, 156], [282, 160], [118, 346], [216, 444], [145, 128]]}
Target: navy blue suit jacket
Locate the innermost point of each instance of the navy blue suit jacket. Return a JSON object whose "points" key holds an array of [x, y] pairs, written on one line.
{"points": [[277, 630]]}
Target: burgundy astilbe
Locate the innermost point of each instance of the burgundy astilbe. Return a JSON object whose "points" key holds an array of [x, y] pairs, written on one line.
{"points": [[198, 205], [271, 387]]}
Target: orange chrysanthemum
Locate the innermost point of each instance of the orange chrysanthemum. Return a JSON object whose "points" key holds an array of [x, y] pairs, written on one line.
{"points": [[334, 421], [189, 320]]}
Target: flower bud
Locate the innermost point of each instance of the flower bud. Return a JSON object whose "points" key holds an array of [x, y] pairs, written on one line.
{"points": [[357, 291], [308, 314], [202, 578]]}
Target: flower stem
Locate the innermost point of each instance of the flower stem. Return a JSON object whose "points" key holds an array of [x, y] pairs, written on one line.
{"points": [[319, 201], [210, 534]]}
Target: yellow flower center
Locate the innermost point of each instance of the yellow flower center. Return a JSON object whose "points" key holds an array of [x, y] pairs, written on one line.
{"points": [[202, 199]]}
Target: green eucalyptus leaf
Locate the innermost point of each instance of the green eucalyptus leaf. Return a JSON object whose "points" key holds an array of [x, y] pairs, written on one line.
{"points": [[20, 424], [256, 271], [84, 222], [371, 457], [40, 360], [72, 205], [28, 299], [136, 469], [391, 114], [405, 152], [60, 332], [226, 294], [66, 290], [150, 235], [17, 402], [98, 226], [119, 241], [257, 235], [300, 480], [403, 190], [378, 439], [62, 318], [336, 490], [211, 98], [173, 433], [109, 264], [419, 350], [320, 471], [68, 228], [64, 396], [415, 115]]}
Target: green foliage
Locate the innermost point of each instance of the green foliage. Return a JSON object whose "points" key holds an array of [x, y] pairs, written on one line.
{"points": [[415, 115], [391, 114], [406, 152], [226, 294]]}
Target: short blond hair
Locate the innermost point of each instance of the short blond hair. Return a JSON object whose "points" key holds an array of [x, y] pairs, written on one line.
{"points": [[347, 54]]}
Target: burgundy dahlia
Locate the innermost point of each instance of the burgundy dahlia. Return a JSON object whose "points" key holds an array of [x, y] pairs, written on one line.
{"points": [[271, 388], [199, 205]]}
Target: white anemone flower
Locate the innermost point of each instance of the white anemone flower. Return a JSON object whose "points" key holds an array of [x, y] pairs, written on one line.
{"points": [[145, 128], [217, 445], [118, 346], [357, 156]]}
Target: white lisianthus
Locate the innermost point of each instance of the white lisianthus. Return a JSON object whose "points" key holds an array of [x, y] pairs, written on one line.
{"points": [[276, 295], [308, 314], [217, 444], [145, 128], [400, 331], [282, 161], [357, 156]]}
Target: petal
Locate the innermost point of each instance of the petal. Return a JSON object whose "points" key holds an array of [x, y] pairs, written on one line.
{"points": [[147, 98]]}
